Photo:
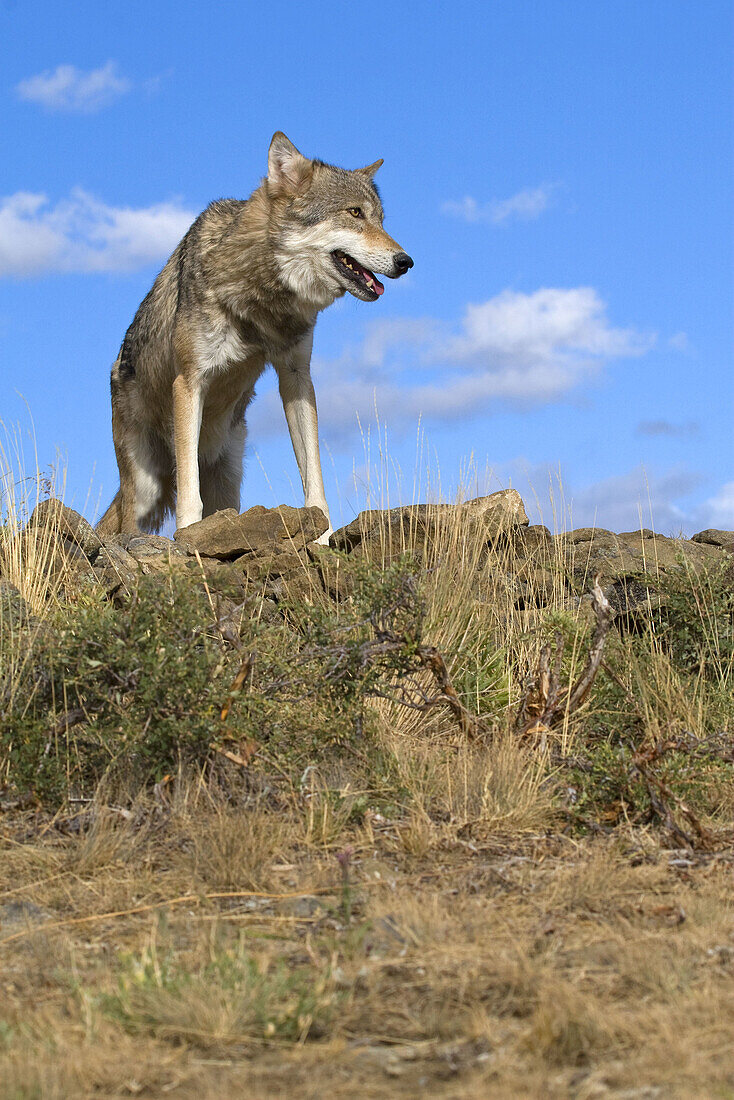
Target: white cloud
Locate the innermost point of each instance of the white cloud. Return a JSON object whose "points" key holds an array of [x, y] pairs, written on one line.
{"points": [[526, 205], [719, 509], [679, 342], [523, 348], [84, 234], [636, 499], [67, 88], [558, 327]]}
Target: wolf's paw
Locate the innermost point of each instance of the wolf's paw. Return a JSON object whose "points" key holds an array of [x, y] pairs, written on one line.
{"points": [[323, 540]]}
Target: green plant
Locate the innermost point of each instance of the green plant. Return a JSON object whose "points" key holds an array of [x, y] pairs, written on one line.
{"points": [[233, 997], [696, 619]]}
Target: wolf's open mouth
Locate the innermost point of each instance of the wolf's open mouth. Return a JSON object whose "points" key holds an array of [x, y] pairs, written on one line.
{"points": [[353, 270]]}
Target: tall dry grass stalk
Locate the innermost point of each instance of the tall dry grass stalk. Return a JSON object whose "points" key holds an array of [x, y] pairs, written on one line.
{"points": [[27, 556], [29, 581], [473, 614]]}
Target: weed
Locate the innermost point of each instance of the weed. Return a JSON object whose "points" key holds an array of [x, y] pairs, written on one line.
{"points": [[231, 999]]}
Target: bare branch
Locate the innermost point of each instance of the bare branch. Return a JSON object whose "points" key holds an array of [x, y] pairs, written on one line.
{"points": [[469, 724], [545, 703], [604, 615]]}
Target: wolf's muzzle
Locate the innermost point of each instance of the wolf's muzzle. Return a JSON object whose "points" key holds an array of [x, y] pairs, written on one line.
{"points": [[402, 263]]}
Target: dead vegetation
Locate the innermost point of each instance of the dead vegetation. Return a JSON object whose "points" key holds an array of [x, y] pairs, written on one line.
{"points": [[445, 841], [141, 959]]}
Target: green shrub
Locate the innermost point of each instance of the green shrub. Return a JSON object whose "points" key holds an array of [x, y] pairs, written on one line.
{"points": [[696, 618], [138, 689], [232, 998]]}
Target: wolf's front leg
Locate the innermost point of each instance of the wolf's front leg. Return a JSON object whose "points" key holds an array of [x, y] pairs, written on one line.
{"points": [[299, 404], [187, 407]]}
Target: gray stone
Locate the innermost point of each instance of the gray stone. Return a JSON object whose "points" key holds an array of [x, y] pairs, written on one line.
{"points": [[411, 527], [115, 569], [336, 575], [535, 541], [228, 535], [713, 537], [52, 514], [142, 547], [21, 914]]}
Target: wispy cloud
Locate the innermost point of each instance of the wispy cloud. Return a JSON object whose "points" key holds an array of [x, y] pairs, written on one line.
{"points": [[667, 428], [720, 508], [679, 341], [520, 348], [67, 88], [667, 501], [526, 205], [84, 234], [636, 499]]}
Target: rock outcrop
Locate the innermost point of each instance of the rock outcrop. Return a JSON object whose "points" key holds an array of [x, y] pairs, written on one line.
{"points": [[274, 551]]}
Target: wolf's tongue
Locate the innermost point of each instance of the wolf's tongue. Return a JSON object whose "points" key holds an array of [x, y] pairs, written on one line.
{"points": [[372, 281]]}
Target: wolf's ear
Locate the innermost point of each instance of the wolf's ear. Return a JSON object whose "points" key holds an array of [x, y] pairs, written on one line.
{"points": [[288, 170], [371, 168]]}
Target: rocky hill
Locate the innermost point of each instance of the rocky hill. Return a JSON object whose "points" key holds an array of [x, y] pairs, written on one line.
{"points": [[445, 808], [274, 549]]}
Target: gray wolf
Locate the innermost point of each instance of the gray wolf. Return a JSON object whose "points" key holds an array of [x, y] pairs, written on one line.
{"points": [[242, 290]]}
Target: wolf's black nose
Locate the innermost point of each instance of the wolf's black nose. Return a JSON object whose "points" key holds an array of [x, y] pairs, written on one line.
{"points": [[402, 262]]}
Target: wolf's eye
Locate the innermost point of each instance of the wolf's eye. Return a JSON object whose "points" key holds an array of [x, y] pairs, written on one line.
{"points": [[356, 211]]}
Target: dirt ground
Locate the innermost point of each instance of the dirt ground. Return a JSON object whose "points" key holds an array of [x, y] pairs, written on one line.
{"points": [[175, 950]]}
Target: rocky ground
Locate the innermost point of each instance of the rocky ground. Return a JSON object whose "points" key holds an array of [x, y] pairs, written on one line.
{"points": [[276, 548], [271, 823]]}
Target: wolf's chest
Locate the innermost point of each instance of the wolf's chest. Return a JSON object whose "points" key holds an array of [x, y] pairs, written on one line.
{"points": [[225, 345]]}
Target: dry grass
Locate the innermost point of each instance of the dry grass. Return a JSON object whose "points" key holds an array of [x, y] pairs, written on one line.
{"points": [[417, 918], [233, 850], [28, 559], [496, 967]]}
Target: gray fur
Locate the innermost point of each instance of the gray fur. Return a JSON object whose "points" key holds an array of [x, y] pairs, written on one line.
{"points": [[242, 289]]}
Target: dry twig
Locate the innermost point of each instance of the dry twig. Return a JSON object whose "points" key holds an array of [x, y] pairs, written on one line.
{"points": [[248, 747], [661, 796], [545, 702]]}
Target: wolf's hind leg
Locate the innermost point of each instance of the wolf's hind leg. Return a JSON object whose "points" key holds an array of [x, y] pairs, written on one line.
{"points": [[146, 493], [110, 523], [151, 494], [222, 478], [162, 505]]}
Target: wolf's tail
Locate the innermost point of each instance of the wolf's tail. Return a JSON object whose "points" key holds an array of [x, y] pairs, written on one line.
{"points": [[111, 521]]}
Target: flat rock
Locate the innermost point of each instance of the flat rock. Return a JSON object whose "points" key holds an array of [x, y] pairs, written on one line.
{"points": [[713, 537], [228, 535], [410, 526], [586, 534]]}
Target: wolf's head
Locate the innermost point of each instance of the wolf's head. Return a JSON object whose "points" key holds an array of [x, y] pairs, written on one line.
{"points": [[328, 227]]}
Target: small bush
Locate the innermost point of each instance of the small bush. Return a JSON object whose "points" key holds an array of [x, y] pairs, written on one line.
{"points": [[233, 998], [696, 619], [138, 690]]}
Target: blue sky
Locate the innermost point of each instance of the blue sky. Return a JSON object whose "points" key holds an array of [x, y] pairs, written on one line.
{"points": [[560, 171]]}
